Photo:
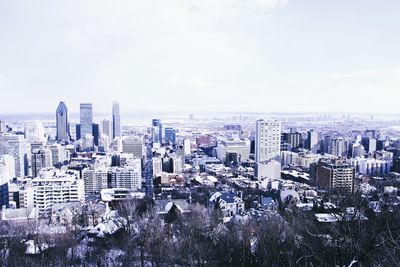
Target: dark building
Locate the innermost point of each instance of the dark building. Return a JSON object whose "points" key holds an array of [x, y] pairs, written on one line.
{"points": [[294, 139], [78, 131], [335, 174], [231, 157], [170, 135], [96, 134], [4, 195]]}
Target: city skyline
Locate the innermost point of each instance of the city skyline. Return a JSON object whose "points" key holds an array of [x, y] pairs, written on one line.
{"points": [[257, 56]]}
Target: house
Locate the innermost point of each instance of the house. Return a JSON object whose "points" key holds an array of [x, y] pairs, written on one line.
{"points": [[228, 203], [170, 209]]}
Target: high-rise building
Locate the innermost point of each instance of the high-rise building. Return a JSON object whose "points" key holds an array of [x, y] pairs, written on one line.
{"points": [[106, 128], [157, 131], [62, 122], [369, 144], [104, 143], [133, 145], [241, 147], [312, 141], [58, 154], [86, 119], [41, 158], [7, 172], [129, 177], [34, 132], [294, 139], [54, 186], [268, 140], [157, 167], [16, 146], [96, 134], [339, 147], [170, 135], [187, 146], [335, 174], [116, 120], [95, 180]]}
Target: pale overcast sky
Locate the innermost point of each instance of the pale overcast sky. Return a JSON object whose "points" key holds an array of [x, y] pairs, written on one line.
{"points": [[201, 55]]}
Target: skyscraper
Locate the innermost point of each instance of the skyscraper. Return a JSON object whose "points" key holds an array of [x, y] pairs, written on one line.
{"points": [[62, 122], [116, 120], [312, 141], [170, 135], [41, 158], [268, 140], [157, 131], [86, 115], [106, 128]]}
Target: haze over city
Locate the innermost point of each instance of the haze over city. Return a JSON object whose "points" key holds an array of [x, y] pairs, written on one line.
{"points": [[196, 56]]}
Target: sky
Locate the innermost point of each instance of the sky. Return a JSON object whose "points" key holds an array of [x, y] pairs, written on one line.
{"points": [[200, 55]]}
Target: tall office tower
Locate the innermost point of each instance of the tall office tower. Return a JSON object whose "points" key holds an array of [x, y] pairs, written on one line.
{"points": [[87, 142], [369, 144], [176, 164], [116, 120], [370, 134], [34, 132], [96, 134], [157, 131], [95, 180], [157, 167], [187, 146], [86, 114], [170, 135], [104, 143], [7, 172], [58, 154], [16, 146], [129, 177], [133, 145], [312, 141], [41, 158], [294, 139], [3, 127], [339, 147], [62, 122], [268, 140], [335, 174], [106, 128], [327, 144]]}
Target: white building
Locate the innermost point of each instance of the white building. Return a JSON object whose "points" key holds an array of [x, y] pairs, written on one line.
{"points": [[34, 132], [241, 147], [312, 141], [7, 168], [104, 143], [187, 146], [268, 140], [157, 167], [16, 146], [55, 186], [129, 177]]}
